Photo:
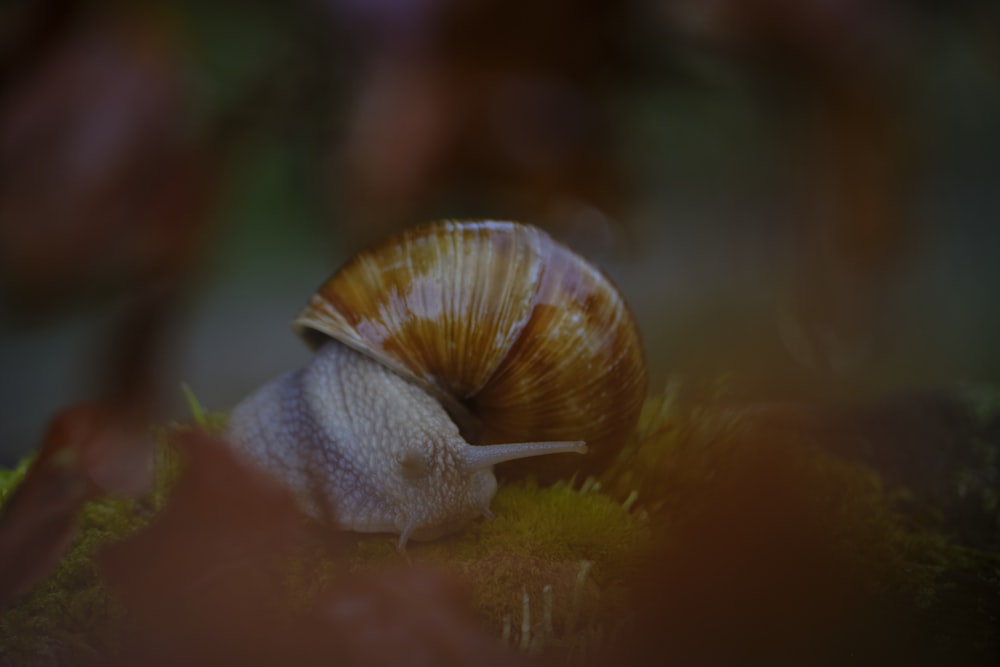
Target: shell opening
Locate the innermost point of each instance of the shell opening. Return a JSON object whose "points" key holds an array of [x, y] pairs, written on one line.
{"points": [[485, 456]]}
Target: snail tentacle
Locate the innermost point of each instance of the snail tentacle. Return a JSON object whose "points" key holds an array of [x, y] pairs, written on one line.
{"points": [[487, 456]]}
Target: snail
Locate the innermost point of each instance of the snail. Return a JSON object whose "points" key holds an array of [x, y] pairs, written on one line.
{"points": [[442, 335]]}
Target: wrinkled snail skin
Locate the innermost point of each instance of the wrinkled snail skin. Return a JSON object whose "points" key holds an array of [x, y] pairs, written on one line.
{"points": [[445, 334], [357, 442]]}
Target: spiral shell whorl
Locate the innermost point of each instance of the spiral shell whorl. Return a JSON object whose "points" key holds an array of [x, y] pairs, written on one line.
{"points": [[498, 320]]}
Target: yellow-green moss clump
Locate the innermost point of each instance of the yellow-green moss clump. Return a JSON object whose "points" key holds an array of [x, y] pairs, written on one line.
{"points": [[562, 553]]}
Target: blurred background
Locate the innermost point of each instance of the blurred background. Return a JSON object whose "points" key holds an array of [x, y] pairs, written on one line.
{"points": [[798, 198]]}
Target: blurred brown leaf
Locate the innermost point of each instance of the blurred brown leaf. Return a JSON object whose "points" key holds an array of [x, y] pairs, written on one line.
{"points": [[203, 581], [409, 615], [207, 584], [88, 450], [768, 566]]}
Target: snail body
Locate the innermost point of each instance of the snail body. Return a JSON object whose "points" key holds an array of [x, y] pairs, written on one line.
{"points": [[445, 334]]}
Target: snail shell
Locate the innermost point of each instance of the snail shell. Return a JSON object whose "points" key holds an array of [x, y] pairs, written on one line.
{"points": [[518, 337]]}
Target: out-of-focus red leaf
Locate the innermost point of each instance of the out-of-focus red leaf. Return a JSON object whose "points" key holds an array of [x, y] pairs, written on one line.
{"points": [[408, 616], [206, 584], [203, 581], [763, 572], [89, 449]]}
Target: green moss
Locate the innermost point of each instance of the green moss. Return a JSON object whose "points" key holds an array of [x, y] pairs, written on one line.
{"points": [[212, 422], [540, 538], [65, 612], [9, 479], [537, 546]]}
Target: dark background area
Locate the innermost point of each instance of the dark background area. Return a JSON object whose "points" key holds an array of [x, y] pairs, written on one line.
{"points": [[798, 199]]}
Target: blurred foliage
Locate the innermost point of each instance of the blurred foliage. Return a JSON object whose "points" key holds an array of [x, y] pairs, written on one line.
{"points": [[801, 194], [796, 192]]}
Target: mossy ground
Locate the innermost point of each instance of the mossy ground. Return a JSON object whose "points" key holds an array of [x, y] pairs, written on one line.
{"points": [[67, 613], [562, 553], [568, 556]]}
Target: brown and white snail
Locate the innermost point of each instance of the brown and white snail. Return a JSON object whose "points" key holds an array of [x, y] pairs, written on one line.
{"points": [[445, 334]]}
